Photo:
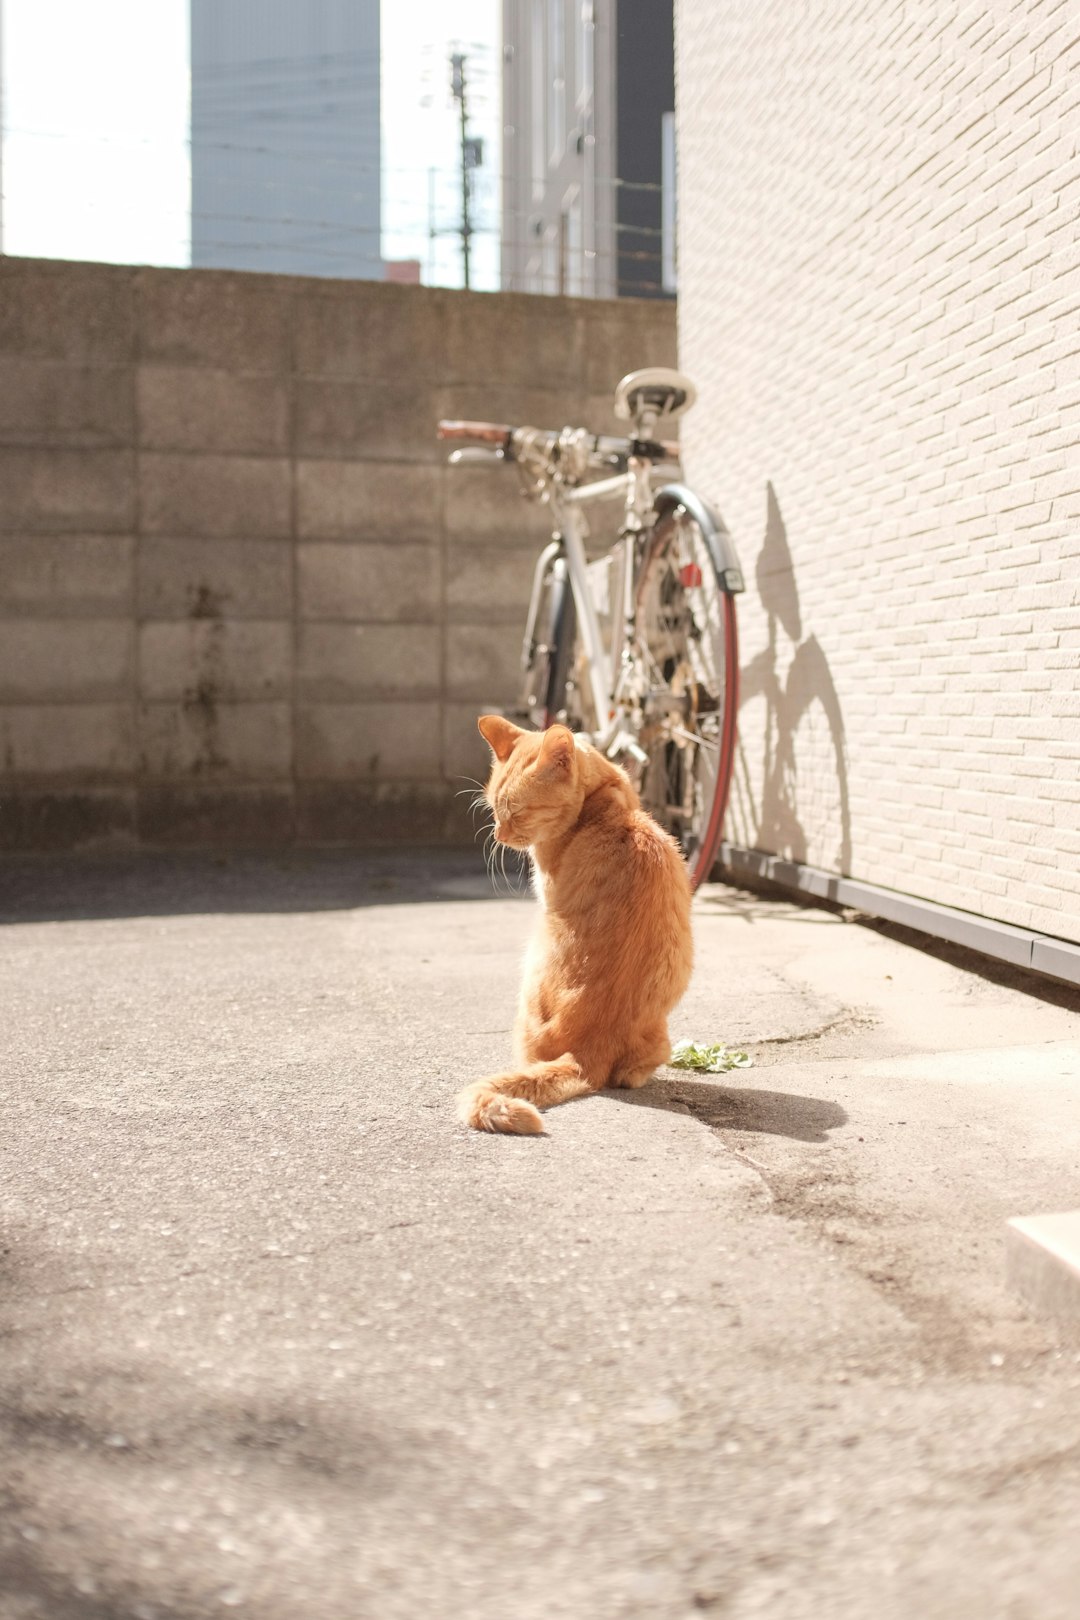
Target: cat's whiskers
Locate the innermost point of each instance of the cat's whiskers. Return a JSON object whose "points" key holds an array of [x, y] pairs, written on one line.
{"points": [[495, 853], [502, 864], [477, 802], [478, 797], [490, 852], [522, 883]]}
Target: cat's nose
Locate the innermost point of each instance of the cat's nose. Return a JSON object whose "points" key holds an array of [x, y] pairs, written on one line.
{"points": [[502, 834]]}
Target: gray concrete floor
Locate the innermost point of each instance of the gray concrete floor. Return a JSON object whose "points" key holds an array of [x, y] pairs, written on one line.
{"points": [[279, 1337]]}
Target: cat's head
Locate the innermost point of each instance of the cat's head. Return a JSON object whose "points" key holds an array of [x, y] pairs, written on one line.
{"points": [[538, 781]]}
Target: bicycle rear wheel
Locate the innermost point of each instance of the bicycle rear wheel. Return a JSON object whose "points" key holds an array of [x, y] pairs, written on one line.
{"points": [[688, 647]]}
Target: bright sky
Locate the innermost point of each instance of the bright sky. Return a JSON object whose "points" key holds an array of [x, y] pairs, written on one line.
{"points": [[95, 111], [421, 132]]}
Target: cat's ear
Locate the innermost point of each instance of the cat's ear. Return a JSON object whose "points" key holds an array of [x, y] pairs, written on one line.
{"points": [[499, 734], [556, 750]]}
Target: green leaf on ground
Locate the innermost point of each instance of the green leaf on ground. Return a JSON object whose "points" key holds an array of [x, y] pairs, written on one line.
{"points": [[715, 1059]]}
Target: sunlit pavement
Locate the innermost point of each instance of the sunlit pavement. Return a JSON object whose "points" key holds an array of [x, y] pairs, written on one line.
{"points": [[279, 1336]]}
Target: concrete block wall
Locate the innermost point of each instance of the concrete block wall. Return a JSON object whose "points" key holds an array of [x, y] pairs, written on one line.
{"points": [[242, 598], [880, 299]]}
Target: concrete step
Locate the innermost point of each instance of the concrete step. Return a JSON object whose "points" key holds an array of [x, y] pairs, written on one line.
{"points": [[1043, 1265]]}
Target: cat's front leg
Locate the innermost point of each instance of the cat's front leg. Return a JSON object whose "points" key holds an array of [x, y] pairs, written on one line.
{"points": [[532, 1009], [640, 1058], [533, 1033]]}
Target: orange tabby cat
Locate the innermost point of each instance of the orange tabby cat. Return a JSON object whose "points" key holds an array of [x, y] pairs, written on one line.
{"points": [[613, 950]]}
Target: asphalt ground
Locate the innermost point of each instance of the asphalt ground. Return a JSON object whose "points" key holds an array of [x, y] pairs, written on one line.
{"points": [[280, 1337]]}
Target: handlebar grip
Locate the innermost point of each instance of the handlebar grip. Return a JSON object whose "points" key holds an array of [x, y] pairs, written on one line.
{"points": [[496, 433]]}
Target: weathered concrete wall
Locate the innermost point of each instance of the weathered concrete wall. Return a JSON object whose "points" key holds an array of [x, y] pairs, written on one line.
{"points": [[879, 287], [242, 599]]}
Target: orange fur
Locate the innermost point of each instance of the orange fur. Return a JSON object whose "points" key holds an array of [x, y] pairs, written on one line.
{"points": [[612, 951]]}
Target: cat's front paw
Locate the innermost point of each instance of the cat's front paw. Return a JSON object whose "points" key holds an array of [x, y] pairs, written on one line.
{"points": [[631, 1079]]}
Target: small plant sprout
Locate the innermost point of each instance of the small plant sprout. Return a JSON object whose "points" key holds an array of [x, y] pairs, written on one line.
{"points": [[715, 1059]]}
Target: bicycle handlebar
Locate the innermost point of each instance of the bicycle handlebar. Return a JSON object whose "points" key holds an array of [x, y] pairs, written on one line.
{"points": [[603, 449], [486, 432]]}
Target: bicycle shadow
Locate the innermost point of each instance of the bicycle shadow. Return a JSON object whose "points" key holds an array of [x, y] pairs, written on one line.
{"points": [[796, 802]]}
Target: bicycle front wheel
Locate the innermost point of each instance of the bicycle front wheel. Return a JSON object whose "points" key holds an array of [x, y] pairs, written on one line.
{"points": [[688, 648], [549, 689]]}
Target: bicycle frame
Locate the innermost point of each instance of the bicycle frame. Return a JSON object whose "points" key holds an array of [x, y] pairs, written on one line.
{"points": [[608, 668]]}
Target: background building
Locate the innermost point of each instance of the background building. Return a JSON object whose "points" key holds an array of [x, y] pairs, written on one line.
{"points": [[285, 136], [588, 193], [878, 286]]}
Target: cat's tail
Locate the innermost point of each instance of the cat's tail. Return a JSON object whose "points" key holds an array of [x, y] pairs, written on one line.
{"points": [[509, 1102]]}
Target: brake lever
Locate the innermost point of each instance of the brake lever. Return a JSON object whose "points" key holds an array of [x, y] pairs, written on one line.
{"points": [[473, 453]]}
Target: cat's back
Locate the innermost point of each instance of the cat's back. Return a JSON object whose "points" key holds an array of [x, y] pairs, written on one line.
{"points": [[634, 918], [625, 870], [662, 880]]}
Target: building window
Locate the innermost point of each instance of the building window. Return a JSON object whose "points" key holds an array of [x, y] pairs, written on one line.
{"points": [[583, 53], [556, 79], [537, 102], [667, 202], [573, 246]]}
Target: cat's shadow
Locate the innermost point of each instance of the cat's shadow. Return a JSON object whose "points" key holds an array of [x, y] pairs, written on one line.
{"points": [[738, 1108]]}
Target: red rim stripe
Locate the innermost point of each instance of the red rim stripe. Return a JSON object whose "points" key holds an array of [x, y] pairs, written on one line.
{"points": [[711, 841]]}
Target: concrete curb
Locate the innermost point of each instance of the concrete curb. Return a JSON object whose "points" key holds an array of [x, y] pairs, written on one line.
{"points": [[1043, 1264]]}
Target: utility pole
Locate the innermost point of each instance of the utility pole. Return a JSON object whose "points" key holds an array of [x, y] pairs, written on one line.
{"points": [[1, 126], [471, 154]]}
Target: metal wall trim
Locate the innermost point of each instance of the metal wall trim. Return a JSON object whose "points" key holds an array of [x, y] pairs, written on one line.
{"points": [[1039, 953]]}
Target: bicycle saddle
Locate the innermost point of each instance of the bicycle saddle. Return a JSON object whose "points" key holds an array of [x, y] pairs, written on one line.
{"points": [[645, 397]]}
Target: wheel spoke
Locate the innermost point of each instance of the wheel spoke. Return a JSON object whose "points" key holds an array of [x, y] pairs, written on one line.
{"points": [[695, 737]]}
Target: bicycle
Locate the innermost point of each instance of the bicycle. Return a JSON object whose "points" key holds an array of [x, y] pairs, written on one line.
{"points": [[636, 649]]}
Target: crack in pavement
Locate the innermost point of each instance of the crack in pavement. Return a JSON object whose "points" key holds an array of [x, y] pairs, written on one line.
{"points": [[824, 1195], [846, 1021]]}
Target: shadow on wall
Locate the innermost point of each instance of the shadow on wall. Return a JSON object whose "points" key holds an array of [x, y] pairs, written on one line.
{"points": [[791, 797]]}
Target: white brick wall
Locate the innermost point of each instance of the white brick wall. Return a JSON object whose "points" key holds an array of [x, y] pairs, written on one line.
{"points": [[879, 266]]}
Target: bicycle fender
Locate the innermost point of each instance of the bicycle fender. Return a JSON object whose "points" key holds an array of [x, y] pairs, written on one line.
{"points": [[712, 527]]}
